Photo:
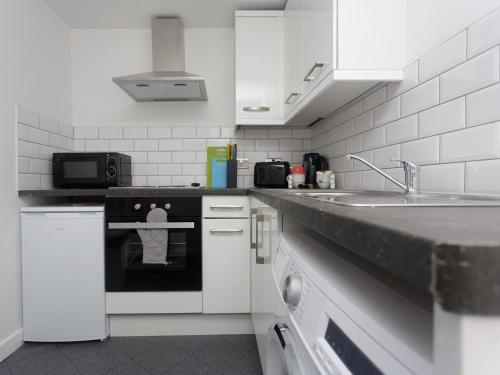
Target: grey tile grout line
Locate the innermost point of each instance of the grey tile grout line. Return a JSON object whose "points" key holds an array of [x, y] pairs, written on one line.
{"points": [[68, 359], [128, 355]]}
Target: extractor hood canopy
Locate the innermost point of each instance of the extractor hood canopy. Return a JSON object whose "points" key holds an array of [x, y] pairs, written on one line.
{"points": [[168, 81]]}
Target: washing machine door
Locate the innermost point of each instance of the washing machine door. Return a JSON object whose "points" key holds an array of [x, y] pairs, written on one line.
{"points": [[283, 355]]}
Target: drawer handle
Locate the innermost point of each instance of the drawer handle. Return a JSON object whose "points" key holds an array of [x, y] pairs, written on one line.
{"points": [[310, 76], [226, 230], [254, 108], [292, 98], [226, 206]]}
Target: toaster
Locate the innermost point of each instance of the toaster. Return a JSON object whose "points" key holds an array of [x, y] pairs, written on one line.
{"points": [[271, 174]]}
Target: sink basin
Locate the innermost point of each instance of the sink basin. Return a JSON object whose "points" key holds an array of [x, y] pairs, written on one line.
{"points": [[396, 199]]}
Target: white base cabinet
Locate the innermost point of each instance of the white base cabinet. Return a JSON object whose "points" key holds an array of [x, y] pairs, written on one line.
{"points": [[226, 256]]}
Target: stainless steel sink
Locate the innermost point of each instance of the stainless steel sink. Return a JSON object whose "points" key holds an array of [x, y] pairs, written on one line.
{"points": [[396, 199]]}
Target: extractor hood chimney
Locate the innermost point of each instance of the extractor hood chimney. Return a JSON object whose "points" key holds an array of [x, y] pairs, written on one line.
{"points": [[168, 81]]}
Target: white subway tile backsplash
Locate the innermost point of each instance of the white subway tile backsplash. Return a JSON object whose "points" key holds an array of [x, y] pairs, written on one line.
{"points": [[255, 156], [79, 145], [183, 157], [139, 180], [27, 117], [159, 132], [442, 118], [396, 173], [374, 99], [345, 130], [183, 180], [49, 124], [228, 132], [57, 141], [297, 157], [47, 151], [479, 142], [158, 181], [217, 142], [307, 145], [92, 145], [145, 169], [184, 132], [371, 180], [169, 169], [363, 123], [482, 177], [280, 133], [470, 76], [28, 149], [170, 145], [484, 34], [46, 181], [38, 166], [290, 144], [304, 133], [193, 169], [402, 130], [483, 106], [194, 144], [446, 56], [374, 138], [354, 144], [422, 151], [382, 157], [387, 112], [341, 164], [121, 145], [283, 155], [110, 133], [134, 132], [368, 156], [23, 131], [138, 157], [443, 178], [256, 133], [66, 130], [421, 97], [86, 133], [201, 156], [29, 181], [352, 111], [23, 165], [36, 135], [146, 145], [159, 157], [208, 132], [244, 144], [352, 180], [411, 80], [267, 144]]}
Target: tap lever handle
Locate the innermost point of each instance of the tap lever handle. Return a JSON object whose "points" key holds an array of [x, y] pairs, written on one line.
{"points": [[407, 165]]}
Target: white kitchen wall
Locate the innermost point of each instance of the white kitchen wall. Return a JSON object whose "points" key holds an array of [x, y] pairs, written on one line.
{"points": [[177, 155], [100, 54], [35, 73], [445, 117]]}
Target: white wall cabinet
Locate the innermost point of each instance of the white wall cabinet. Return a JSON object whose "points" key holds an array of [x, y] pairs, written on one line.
{"points": [[259, 67], [334, 50], [226, 258]]}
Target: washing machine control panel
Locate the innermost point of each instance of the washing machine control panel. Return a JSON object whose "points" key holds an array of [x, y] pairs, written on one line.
{"points": [[292, 290]]}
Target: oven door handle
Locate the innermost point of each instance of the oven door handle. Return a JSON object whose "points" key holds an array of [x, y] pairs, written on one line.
{"points": [[164, 225]]}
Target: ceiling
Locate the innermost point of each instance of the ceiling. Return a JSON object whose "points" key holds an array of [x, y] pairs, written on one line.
{"points": [[86, 14]]}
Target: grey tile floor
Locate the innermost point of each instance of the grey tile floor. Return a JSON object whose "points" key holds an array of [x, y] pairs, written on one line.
{"points": [[169, 355]]}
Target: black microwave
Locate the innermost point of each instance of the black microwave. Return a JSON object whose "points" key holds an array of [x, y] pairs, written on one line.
{"points": [[91, 169]]}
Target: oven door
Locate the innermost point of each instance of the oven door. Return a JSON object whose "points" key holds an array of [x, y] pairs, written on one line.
{"points": [[127, 270], [79, 170]]}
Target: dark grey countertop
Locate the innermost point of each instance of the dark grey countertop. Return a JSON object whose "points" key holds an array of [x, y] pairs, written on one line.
{"points": [[453, 252]]}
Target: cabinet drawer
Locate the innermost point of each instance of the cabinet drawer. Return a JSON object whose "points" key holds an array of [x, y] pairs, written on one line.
{"points": [[226, 266], [225, 206]]}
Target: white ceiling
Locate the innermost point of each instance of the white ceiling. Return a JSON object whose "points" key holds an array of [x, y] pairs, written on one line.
{"points": [[85, 14]]}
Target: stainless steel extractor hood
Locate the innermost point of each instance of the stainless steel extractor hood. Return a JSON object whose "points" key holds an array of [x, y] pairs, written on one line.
{"points": [[168, 81]]}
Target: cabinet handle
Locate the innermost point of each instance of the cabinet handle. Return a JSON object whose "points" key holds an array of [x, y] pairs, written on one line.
{"points": [[224, 206], [254, 108], [226, 230], [259, 218], [292, 98], [310, 74]]}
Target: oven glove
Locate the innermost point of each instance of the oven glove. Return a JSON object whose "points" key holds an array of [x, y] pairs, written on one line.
{"points": [[154, 241]]}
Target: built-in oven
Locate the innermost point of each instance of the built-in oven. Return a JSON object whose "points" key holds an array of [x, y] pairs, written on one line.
{"points": [[174, 265]]}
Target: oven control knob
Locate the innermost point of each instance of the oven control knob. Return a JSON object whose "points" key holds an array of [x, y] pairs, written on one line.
{"points": [[152, 206], [292, 290], [168, 206], [137, 206], [111, 172]]}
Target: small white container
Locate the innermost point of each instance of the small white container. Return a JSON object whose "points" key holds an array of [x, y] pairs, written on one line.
{"points": [[332, 181]]}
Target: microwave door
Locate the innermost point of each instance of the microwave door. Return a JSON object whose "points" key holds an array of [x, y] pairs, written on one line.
{"points": [[82, 170]]}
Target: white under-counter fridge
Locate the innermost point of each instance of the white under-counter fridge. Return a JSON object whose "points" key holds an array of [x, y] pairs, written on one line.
{"points": [[63, 273]]}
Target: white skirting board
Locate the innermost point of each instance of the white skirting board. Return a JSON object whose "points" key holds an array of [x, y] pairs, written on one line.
{"points": [[180, 324], [11, 343]]}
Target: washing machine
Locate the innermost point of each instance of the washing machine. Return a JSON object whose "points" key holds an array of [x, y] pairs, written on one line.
{"points": [[333, 318]]}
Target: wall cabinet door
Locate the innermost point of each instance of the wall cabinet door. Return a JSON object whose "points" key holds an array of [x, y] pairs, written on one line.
{"points": [[226, 266], [319, 37], [259, 71], [293, 55]]}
